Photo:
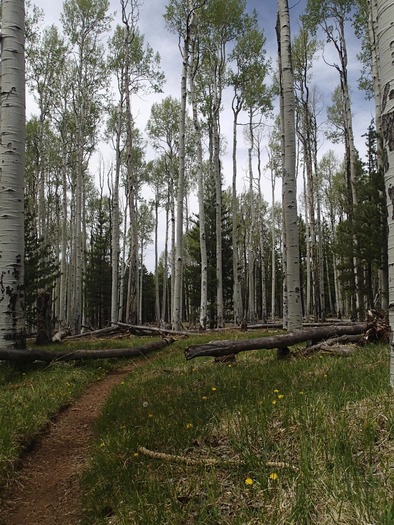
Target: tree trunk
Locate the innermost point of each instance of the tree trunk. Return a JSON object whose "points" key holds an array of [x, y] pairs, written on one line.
{"points": [[385, 37], [12, 165], [178, 296], [237, 302], [201, 208], [28, 356], [115, 223], [294, 318], [221, 348]]}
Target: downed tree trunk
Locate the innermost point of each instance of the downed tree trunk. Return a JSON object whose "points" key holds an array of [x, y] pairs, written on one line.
{"points": [[26, 356], [334, 341], [221, 348]]}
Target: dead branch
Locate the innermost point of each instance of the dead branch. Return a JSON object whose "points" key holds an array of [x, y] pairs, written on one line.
{"points": [[173, 458]]}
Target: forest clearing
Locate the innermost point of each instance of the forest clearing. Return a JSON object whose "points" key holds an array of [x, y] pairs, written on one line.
{"points": [[306, 439], [213, 390]]}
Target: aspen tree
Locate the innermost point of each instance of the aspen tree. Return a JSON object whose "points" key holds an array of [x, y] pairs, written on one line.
{"points": [[12, 164], [385, 38], [293, 291]]}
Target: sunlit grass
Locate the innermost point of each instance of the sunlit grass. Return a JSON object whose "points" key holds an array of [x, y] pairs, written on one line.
{"points": [[303, 441]]}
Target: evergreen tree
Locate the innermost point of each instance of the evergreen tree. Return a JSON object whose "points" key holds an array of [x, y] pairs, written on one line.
{"points": [[41, 269], [98, 276]]}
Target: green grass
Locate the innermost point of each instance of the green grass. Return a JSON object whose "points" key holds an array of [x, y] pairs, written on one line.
{"points": [[31, 394], [330, 419]]}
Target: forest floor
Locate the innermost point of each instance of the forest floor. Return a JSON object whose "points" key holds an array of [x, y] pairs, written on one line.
{"points": [[46, 489]]}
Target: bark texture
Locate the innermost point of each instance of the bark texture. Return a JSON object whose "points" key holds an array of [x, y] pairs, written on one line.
{"points": [[221, 348], [385, 35], [12, 165]]}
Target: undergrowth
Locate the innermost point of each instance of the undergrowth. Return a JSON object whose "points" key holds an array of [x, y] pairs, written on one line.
{"points": [[298, 441]]}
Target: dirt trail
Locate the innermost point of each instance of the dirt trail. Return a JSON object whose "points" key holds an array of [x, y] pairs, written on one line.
{"points": [[46, 490]]}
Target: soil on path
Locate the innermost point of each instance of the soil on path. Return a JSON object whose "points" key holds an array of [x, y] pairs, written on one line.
{"points": [[46, 490]]}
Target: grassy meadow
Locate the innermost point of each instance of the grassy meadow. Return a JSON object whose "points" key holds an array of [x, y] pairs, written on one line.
{"points": [[306, 440], [262, 441]]}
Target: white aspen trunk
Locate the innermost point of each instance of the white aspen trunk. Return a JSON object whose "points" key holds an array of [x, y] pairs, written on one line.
{"points": [[140, 287], [385, 37], [383, 272], [164, 309], [115, 225], [273, 241], [289, 177], [237, 303], [123, 268], [12, 165], [219, 253], [201, 209], [157, 290], [172, 255], [250, 248], [218, 203], [308, 250], [261, 240], [177, 295]]}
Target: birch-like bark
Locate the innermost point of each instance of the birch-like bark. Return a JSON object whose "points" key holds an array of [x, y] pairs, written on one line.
{"points": [[201, 207], [385, 37], [294, 320], [237, 302], [12, 165], [115, 224], [251, 254], [383, 271], [177, 304], [273, 253], [261, 237]]}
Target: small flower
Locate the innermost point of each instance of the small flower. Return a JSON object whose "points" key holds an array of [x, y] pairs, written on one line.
{"points": [[281, 396], [150, 415], [136, 454], [301, 392], [273, 476], [248, 481], [204, 398], [274, 401], [102, 444], [214, 389], [276, 391], [145, 404], [189, 425]]}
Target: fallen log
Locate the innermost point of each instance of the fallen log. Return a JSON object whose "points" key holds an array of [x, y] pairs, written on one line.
{"points": [[30, 355], [357, 339], [221, 348], [150, 330]]}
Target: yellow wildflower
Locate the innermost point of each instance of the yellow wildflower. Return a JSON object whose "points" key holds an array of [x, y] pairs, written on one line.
{"points": [[273, 476], [189, 425], [248, 481], [281, 396], [276, 391], [273, 401], [214, 389]]}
